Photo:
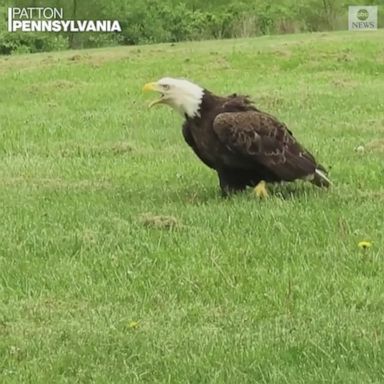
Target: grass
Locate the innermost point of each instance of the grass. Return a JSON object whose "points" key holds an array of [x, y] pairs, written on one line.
{"points": [[119, 261]]}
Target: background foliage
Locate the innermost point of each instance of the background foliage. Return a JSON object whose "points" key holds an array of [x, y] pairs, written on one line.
{"points": [[153, 21]]}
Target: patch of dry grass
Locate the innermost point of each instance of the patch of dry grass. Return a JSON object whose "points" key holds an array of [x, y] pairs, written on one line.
{"points": [[160, 221]]}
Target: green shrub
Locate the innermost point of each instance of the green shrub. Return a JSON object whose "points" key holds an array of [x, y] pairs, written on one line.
{"points": [[155, 21], [31, 42]]}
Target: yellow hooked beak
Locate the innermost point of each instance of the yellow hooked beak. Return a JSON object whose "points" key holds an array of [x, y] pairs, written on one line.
{"points": [[153, 87], [150, 87]]}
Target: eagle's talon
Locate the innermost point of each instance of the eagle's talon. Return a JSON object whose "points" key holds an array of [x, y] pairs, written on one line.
{"points": [[261, 190]]}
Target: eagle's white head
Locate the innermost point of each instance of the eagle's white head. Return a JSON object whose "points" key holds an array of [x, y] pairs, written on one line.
{"points": [[182, 95]]}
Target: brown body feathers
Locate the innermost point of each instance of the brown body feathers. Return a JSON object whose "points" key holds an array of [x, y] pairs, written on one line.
{"points": [[245, 145]]}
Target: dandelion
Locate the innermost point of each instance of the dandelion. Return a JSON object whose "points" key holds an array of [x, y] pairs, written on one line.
{"points": [[133, 325], [364, 244]]}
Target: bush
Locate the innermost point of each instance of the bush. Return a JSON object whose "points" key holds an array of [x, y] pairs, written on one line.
{"points": [[154, 21], [160, 22], [31, 42]]}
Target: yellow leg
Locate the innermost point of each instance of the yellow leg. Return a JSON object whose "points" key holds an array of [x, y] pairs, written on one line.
{"points": [[261, 190]]}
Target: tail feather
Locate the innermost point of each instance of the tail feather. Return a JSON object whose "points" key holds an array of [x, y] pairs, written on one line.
{"points": [[320, 178]]}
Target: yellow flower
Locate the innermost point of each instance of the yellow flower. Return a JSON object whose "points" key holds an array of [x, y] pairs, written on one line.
{"points": [[364, 244], [133, 324]]}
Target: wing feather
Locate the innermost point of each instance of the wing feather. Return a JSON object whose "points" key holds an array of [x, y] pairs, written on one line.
{"points": [[261, 138]]}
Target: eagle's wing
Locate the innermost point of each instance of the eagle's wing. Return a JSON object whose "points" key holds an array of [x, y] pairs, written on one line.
{"points": [[260, 138]]}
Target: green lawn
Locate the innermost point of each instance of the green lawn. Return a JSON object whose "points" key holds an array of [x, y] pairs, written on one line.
{"points": [[121, 263]]}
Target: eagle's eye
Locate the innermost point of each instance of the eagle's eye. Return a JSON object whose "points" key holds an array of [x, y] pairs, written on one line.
{"points": [[166, 87]]}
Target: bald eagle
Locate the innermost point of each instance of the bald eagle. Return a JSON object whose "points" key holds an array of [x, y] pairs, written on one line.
{"points": [[245, 146]]}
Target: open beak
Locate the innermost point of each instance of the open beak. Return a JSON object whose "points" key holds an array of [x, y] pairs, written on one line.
{"points": [[154, 87]]}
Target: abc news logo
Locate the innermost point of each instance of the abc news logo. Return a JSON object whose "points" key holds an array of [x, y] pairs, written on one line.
{"points": [[362, 18]]}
